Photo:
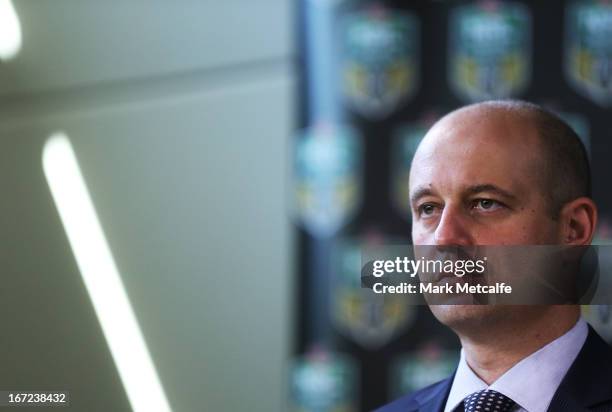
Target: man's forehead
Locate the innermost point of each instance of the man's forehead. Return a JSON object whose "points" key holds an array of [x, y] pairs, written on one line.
{"points": [[473, 148], [487, 124]]}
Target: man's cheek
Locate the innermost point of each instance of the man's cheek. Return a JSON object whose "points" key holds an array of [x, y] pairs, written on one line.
{"points": [[421, 236], [515, 234]]}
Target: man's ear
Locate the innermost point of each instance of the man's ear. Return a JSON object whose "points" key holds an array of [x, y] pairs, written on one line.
{"points": [[578, 220]]}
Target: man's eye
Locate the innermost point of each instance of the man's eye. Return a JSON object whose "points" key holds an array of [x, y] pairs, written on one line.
{"points": [[487, 204], [427, 209]]}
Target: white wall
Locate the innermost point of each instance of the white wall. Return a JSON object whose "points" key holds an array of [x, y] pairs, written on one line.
{"points": [[180, 113]]}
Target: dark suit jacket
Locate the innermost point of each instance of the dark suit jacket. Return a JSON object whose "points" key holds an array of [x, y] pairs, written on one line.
{"points": [[587, 386]]}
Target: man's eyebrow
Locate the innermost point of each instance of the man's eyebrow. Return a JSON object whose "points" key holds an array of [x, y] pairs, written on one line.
{"points": [[471, 190], [420, 192], [487, 187]]}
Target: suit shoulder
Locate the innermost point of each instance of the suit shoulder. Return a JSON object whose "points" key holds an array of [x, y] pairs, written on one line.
{"points": [[410, 401]]}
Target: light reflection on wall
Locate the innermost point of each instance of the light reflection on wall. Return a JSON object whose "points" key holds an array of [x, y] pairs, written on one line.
{"points": [[10, 31], [101, 277]]}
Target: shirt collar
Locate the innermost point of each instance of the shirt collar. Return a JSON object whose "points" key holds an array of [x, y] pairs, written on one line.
{"points": [[542, 370]]}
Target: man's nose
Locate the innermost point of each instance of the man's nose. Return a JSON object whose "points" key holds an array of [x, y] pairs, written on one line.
{"points": [[452, 229]]}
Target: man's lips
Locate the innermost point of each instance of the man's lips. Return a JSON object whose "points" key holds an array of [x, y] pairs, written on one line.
{"points": [[467, 278], [442, 276]]}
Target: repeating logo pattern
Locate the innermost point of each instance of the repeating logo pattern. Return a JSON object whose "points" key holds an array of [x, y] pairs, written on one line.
{"points": [[369, 319], [490, 50], [415, 370], [588, 50], [324, 382], [328, 170], [380, 60], [405, 143]]}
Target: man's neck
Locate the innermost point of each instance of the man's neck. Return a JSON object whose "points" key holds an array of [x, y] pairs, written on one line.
{"points": [[492, 352]]}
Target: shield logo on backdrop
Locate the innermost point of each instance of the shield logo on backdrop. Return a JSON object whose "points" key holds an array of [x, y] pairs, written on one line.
{"points": [[588, 50], [323, 381], [422, 367], [405, 142], [328, 169], [490, 50], [367, 318], [380, 59]]}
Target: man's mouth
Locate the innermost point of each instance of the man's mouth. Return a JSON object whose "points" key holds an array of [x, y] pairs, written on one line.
{"points": [[450, 278]]}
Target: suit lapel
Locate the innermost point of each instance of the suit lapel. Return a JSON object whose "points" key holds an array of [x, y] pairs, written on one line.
{"points": [[589, 380], [435, 400], [587, 386]]}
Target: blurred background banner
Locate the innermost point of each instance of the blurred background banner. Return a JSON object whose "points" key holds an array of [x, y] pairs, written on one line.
{"points": [[588, 49], [237, 156], [379, 54], [489, 50], [395, 68]]}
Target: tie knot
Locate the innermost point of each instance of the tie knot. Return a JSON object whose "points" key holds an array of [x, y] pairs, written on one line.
{"points": [[487, 401]]}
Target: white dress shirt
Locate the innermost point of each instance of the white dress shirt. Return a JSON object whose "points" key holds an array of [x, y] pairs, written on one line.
{"points": [[533, 381]]}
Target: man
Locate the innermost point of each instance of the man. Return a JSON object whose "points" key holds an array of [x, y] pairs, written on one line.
{"points": [[509, 173]]}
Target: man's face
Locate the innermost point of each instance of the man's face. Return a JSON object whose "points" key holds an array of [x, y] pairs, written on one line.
{"points": [[475, 181]]}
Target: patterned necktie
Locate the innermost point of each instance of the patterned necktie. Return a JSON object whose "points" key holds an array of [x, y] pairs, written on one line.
{"points": [[487, 401]]}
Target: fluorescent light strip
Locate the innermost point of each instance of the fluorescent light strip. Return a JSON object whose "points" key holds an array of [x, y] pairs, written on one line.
{"points": [[10, 31], [101, 277]]}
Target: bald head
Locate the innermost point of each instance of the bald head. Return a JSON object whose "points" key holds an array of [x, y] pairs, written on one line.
{"points": [[500, 173], [561, 164]]}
